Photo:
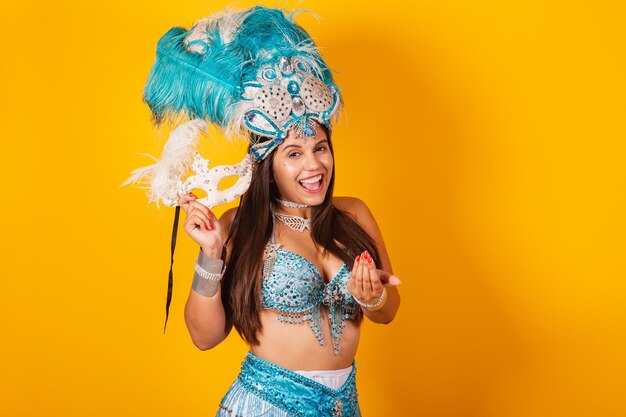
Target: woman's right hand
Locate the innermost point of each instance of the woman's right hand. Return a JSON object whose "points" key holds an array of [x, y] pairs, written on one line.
{"points": [[202, 225]]}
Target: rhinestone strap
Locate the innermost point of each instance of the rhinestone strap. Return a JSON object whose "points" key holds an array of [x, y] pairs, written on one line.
{"points": [[291, 204], [377, 305], [206, 274]]}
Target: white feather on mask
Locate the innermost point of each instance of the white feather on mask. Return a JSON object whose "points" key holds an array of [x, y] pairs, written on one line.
{"points": [[163, 179]]}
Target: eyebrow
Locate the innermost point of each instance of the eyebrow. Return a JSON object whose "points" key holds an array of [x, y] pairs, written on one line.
{"points": [[299, 146]]}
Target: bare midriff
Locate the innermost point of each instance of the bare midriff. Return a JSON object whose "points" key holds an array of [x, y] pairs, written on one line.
{"points": [[294, 345]]}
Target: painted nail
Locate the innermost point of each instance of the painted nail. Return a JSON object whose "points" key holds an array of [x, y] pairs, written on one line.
{"points": [[358, 258]]}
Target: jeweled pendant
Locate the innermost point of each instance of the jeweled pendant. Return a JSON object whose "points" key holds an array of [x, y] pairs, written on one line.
{"points": [[298, 106], [285, 66], [293, 87]]}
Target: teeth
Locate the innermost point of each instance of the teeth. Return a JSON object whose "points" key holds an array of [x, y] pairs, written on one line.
{"points": [[311, 180]]}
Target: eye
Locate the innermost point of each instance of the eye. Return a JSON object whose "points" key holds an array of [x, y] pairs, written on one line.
{"points": [[321, 148], [294, 154]]}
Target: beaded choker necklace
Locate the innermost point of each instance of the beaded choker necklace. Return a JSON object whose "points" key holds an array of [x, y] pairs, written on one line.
{"points": [[286, 203]]}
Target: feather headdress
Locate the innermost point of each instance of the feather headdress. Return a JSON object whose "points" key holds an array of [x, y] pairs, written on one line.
{"points": [[252, 71]]}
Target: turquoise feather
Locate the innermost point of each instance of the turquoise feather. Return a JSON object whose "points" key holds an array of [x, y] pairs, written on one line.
{"points": [[206, 81]]}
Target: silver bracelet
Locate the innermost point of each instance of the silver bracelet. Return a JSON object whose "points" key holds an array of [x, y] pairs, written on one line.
{"points": [[208, 273], [375, 304]]}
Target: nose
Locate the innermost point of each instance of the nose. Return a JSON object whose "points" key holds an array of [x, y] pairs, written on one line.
{"points": [[311, 160]]}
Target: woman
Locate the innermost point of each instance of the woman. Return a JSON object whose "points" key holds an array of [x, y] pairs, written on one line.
{"points": [[293, 269], [299, 172]]}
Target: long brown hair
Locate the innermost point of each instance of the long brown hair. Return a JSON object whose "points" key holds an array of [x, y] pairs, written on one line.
{"points": [[332, 229]]}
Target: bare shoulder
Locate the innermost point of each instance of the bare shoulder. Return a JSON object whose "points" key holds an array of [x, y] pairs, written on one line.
{"points": [[356, 208], [360, 212]]}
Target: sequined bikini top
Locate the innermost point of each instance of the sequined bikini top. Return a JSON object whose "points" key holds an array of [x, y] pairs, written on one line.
{"points": [[294, 287]]}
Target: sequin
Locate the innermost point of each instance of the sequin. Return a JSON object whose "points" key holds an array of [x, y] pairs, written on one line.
{"points": [[302, 67], [294, 287], [273, 391], [298, 106], [268, 74], [285, 66], [316, 95], [293, 88], [274, 101]]}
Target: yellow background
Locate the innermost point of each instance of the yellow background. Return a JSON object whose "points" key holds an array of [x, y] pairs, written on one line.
{"points": [[487, 137]]}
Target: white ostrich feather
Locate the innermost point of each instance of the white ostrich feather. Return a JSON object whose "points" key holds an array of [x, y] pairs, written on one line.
{"points": [[227, 22], [163, 179]]}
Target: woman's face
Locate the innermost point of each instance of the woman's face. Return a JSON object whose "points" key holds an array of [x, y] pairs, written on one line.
{"points": [[302, 168]]}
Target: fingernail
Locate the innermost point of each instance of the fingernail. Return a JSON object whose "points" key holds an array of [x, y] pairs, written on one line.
{"points": [[358, 258]]}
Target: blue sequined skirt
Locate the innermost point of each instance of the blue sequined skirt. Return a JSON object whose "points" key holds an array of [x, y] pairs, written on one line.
{"points": [[266, 389]]}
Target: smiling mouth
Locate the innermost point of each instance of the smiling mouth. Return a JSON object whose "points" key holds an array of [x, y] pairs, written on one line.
{"points": [[313, 184]]}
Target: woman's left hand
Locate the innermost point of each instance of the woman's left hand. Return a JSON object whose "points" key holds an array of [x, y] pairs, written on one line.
{"points": [[366, 282]]}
